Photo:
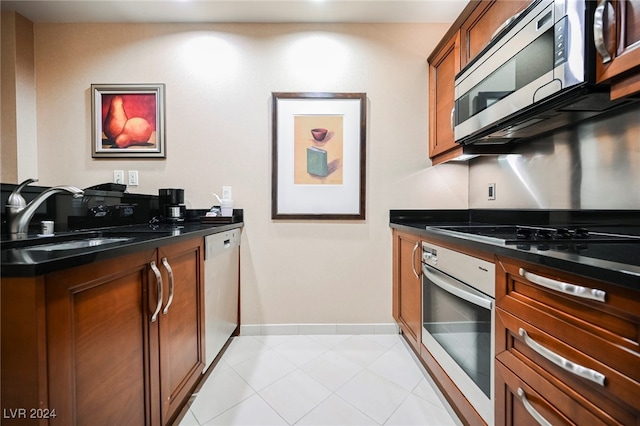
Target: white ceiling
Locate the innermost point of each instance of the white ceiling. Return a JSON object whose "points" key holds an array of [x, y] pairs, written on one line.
{"points": [[237, 10]]}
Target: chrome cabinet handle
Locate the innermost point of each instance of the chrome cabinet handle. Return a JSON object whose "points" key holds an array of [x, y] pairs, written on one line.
{"points": [[165, 262], [452, 119], [413, 260], [532, 411], [156, 271], [561, 361], [598, 30], [563, 287]]}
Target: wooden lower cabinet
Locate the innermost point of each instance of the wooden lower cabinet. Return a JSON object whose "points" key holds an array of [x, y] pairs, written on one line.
{"points": [[575, 360], [536, 400], [407, 286], [108, 361], [98, 343], [180, 328], [407, 311]]}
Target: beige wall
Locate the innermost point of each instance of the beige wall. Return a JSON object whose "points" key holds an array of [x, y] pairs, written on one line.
{"points": [[219, 80], [19, 160]]}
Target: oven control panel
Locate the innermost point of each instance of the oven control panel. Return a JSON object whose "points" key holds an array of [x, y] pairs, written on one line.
{"points": [[475, 272]]}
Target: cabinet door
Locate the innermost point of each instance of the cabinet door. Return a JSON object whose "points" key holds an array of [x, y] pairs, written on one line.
{"points": [[618, 58], [408, 297], [442, 71], [97, 329], [180, 324]]}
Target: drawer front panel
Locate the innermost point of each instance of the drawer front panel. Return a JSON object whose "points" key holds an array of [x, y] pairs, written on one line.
{"points": [[606, 331], [577, 369], [518, 401]]}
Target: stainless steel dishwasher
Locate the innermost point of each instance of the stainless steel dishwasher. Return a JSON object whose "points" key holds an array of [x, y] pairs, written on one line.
{"points": [[222, 272]]}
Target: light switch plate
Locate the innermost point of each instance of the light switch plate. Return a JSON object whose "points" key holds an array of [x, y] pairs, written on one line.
{"points": [[133, 177], [491, 191]]}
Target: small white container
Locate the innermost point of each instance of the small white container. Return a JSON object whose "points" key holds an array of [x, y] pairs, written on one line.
{"points": [[226, 207], [46, 227]]}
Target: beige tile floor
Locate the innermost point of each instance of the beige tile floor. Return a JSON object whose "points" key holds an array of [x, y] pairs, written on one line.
{"points": [[318, 380]]}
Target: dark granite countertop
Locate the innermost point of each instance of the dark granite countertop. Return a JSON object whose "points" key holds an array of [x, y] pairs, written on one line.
{"points": [[16, 261], [617, 263]]}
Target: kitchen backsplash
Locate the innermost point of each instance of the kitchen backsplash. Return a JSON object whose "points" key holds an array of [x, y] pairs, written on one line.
{"points": [[595, 165], [95, 209]]}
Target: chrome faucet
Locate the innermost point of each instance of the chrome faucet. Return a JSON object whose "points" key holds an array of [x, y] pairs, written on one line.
{"points": [[19, 213]]}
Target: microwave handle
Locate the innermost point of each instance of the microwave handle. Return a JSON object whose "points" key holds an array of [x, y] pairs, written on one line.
{"points": [[450, 286], [598, 30], [504, 25]]}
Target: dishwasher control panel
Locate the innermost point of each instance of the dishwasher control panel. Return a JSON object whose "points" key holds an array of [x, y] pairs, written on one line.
{"points": [[218, 243]]}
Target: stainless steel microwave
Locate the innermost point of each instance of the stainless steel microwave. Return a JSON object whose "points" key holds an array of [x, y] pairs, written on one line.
{"points": [[537, 75]]}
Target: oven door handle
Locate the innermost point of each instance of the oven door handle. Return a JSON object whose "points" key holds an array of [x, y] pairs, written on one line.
{"points": [[454, 287]]}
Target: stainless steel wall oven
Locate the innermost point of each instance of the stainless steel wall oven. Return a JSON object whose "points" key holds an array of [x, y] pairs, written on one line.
{"points": [[457, 321]]}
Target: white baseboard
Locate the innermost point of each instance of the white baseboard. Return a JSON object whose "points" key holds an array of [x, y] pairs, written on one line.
{"points": [[293, 329]]}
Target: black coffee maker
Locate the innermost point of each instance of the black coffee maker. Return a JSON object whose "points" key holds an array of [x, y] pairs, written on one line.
{"points": [[172, 205]]}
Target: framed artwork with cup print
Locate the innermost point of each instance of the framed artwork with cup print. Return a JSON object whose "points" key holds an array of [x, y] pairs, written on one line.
{"points": [[128, 120], [318, 156]]}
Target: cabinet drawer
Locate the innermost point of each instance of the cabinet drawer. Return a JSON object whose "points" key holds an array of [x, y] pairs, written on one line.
{"points": [[518, 400], [607, 331], [594, 378]]}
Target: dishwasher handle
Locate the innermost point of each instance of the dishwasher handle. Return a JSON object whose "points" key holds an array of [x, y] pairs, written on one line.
{"points": [[219, 243]]}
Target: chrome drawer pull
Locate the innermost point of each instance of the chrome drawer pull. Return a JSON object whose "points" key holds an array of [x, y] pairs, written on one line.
{"points": [[561, 361], [156, 271], [532, 411], [413, 260], [566, 288], [452, 121], [165, 262]]}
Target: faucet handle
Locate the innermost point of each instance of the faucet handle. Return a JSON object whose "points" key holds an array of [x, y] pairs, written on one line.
{"points": [[15, 198]]}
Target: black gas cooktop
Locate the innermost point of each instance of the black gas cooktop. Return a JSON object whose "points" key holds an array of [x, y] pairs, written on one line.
{"points": [[612, 243], [516, 234]]}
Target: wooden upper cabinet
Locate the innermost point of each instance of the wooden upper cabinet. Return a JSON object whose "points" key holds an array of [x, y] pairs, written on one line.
{"points": [[477, 30], [442, 70], [618, 56], [470, 33]]}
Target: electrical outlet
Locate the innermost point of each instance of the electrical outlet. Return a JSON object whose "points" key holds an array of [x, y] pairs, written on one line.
{"points": [[491, 191], [133, 177], [118, 176]]}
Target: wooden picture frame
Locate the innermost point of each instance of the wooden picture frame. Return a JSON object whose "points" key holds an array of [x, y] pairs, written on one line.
{"points": [[318, 156], [128, 121]]}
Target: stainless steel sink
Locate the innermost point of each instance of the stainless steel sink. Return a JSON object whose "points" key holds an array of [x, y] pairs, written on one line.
{"points": [[77, 244]]}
